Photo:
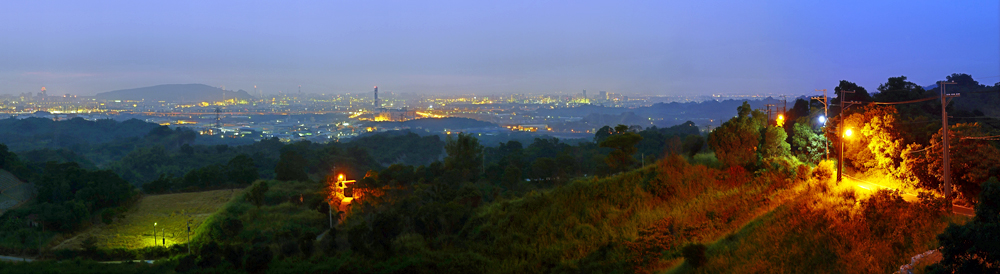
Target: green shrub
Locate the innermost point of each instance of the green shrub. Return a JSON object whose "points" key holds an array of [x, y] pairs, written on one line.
{"points": [[258, 259], [186, 263], [234, 255]]}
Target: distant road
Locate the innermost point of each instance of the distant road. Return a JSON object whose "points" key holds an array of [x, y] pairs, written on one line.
{"points": [[909, 197], [15, 259]]}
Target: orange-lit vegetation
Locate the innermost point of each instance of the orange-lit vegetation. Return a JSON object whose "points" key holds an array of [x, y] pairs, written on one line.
{"points": [[638, 220], [832, 229]]}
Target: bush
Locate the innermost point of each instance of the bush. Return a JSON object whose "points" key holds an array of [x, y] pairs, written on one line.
{"points": [[259, 259], [824, 171], [186, 263], [289, 249], [307, 244], [209, 255], [234, 255], [694, 254]]}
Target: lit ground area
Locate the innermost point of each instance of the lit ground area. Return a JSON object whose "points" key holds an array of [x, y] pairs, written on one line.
{"points": [[170, 213]]}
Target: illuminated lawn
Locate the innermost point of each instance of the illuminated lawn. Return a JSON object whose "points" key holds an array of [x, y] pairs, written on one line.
{"points": [[169, 211]]}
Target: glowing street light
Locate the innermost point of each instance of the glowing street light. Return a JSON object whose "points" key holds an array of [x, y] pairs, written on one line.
{"points": [[822, 119], [840, 167], [154, 233]]}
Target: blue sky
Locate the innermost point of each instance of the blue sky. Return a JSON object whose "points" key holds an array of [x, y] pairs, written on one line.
{"points": [[490, 47]]}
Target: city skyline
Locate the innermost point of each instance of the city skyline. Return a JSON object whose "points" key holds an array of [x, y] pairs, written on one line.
{"points": [[670, 49]]}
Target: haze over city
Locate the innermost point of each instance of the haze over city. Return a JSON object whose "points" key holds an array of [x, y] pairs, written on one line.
{"points": [[500, 137], [461, 47]]}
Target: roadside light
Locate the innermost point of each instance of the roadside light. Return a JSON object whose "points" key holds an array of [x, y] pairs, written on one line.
{"points": [[847, 133], [340, 177], [781, 120], [822, 119]]}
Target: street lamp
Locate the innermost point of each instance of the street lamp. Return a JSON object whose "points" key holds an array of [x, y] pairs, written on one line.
{"points": [[826, 143], [154, 233], [840, 167]]}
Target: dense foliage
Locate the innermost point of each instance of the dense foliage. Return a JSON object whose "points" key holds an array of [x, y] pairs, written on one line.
{"points": [[974, 247]]}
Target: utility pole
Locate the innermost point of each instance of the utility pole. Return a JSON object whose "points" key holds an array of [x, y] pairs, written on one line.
{"points": [[946, 163], [843, 131], [825, 116], [329, 202], [769, 114], [784, 108]]}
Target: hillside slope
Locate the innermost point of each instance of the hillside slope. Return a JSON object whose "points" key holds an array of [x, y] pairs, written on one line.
{"points": [[175, 93]]}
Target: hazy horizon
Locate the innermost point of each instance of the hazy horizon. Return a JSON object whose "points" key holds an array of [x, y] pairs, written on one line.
{"points": [[709, 47]]}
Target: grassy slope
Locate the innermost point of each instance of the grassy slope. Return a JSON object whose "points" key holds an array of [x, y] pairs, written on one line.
{"points": [[553, 230], [826, 230], [564, 228], [768, 223], [169, 211], [13, 192], [282, 215]]}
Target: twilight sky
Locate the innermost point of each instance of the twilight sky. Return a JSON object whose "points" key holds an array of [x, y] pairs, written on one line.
{"points": [[489, 47]]}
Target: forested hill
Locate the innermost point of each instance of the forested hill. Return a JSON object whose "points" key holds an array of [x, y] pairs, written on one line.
{"points": [[175, 92], [40, 133]]}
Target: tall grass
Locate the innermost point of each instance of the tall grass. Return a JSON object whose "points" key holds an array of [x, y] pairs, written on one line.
{"points": [[563, 228], [829, 229]]}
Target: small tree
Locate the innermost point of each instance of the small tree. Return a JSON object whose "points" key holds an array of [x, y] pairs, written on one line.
{"points": [[623, 142], [736, 142], [256, 194], [464, 156]]}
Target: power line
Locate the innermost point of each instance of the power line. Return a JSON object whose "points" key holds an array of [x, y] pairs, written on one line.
{"points": [[916, 151], [906, 102], [987, 138]]}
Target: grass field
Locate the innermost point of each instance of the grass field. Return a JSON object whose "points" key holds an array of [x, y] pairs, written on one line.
{"points": [[13, 192], [170, 212]]}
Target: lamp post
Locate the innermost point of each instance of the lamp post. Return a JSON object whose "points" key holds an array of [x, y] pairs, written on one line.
{"points": [[843, 107], [823, 118], [840, 168], [826, 143], [154, 234]]}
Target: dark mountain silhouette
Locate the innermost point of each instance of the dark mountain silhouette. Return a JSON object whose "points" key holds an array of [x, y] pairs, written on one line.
{"points": [[174, 93]]}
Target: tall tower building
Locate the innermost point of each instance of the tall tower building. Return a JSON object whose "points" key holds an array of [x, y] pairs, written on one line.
{"points": [[585, 94], [377, 103]]}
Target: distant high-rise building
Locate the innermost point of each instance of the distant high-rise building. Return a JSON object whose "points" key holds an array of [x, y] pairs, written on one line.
{"points": [[585, 94], [377, 105], [604, 95]]}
